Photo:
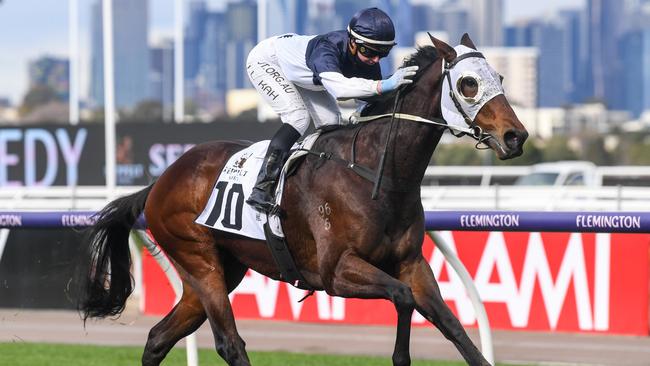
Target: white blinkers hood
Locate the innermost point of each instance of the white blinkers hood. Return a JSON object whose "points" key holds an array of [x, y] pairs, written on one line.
{"points": [[489, 86]]}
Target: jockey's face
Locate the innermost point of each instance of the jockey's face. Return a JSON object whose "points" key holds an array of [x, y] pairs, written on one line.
{"points": [[367, 54], [368, 60]]}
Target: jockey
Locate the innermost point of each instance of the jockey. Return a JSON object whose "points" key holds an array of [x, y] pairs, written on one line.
{"points": [[302, 77]]}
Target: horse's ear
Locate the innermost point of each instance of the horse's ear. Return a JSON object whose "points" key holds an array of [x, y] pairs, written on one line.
{"points": [[467, 42], [445, 50]]}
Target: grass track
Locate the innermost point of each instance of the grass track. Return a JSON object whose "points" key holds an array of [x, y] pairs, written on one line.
{"points": [[40, 354]]}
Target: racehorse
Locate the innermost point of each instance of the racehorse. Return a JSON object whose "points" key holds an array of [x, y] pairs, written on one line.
{"points": [[366, 248]]}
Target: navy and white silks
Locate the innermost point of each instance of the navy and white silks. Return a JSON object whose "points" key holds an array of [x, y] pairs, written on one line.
{"points": [[302, 76]]}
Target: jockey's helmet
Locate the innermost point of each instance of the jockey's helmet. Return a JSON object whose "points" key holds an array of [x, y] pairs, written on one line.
{"points": [[373, 28]]}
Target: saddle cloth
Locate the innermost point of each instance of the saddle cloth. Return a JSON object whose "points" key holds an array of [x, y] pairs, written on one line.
{"points": [[227, 209]]}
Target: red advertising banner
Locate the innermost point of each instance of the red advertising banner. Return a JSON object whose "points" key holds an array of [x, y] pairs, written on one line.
{"points": [[573, 282]]}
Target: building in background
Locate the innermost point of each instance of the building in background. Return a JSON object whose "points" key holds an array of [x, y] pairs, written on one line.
{"points": [[96, 92], [401, 13], [486, 22], [542, 123], [210, 81], [636, 74], [592, 118], [286, 16], [51, 72], [596, 53], [453, 19], [549, 38], [571, 22], [518, 66], [324, 17], [242, 37], [424, 18], [301, 17], [216, 46], [194, 33], [161, 77], [450, 17], [605, 25], [131, 53]]}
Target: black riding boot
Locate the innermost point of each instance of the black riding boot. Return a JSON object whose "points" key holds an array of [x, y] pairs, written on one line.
{"points": [[262, 195]]}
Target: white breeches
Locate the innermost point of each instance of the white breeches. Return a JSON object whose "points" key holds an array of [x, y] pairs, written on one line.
{"points": [[295, 105]]}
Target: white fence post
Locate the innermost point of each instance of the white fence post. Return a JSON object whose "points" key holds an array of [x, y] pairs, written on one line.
{"points": [[481, 316], [170, 272]]}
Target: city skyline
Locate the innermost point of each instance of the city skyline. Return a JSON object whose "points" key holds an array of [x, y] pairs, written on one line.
{"points": [[25, 42]]}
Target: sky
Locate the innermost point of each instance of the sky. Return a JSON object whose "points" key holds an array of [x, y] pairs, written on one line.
{"points": [[33, 28]]}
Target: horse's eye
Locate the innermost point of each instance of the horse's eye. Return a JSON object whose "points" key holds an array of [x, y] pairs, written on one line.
{"points": [[468, 87]]}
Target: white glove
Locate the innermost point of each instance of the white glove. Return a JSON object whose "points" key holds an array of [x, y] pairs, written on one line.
{"points": [[400, 77]]}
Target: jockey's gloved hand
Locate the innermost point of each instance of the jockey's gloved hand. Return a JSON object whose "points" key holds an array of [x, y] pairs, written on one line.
{"points": [[400, 77]]}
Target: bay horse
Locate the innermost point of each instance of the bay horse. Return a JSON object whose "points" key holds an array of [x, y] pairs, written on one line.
{"points": [[369, 249]]}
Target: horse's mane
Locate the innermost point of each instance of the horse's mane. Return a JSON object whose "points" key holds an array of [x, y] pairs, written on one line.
{"points": [[423, 57]]}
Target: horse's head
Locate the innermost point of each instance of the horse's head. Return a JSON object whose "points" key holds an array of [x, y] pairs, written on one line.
{"points": [[472, 94]]}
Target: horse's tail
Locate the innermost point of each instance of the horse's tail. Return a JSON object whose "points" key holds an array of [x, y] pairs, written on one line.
{"points": [[105, 267]]}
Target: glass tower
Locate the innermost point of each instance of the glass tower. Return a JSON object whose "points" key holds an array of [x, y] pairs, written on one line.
{"points": [[131, 53]]}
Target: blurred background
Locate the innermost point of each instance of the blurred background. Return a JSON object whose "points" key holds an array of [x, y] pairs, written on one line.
{"points": [[577, 71]]}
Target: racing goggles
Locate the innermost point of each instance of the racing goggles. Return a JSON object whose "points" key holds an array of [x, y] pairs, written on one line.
{"points": [[372, 52]]}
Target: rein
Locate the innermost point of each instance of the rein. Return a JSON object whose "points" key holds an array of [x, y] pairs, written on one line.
{"points": [[382, 161], [475, 133]]}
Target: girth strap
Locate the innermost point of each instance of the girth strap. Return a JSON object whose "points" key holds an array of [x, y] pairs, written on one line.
{"points": [[283, 259]]}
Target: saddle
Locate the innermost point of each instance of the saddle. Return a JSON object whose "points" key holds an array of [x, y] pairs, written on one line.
{"points": [[226, 209]]}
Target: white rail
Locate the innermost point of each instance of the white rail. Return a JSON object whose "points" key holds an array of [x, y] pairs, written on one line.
{"points": [[487, 175], [535, 198], [485, 333], [165, 264], [433, 198], [61, 198]]}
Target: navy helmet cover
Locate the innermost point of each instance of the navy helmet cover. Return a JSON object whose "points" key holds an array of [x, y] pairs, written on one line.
{"points": [[372, 26]]}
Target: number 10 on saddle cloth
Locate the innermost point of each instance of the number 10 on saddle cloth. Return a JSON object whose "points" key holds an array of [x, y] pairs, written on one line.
{"points": [[227, 210]]}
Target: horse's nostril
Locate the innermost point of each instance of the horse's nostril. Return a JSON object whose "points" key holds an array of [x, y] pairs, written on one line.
{"points": [[514, 139], [511, 139]]}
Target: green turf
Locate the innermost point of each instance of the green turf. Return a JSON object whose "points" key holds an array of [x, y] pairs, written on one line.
{"points": [[38, 354]]}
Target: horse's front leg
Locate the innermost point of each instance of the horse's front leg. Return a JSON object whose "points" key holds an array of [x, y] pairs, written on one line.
{"points": [[429, 303], [354, 277]]}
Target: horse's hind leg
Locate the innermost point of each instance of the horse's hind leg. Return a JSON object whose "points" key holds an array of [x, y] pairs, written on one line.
{"points": [[419, 277], [184, 319], [355, 277], [211, 274], [226, 273], [190, 312]]}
